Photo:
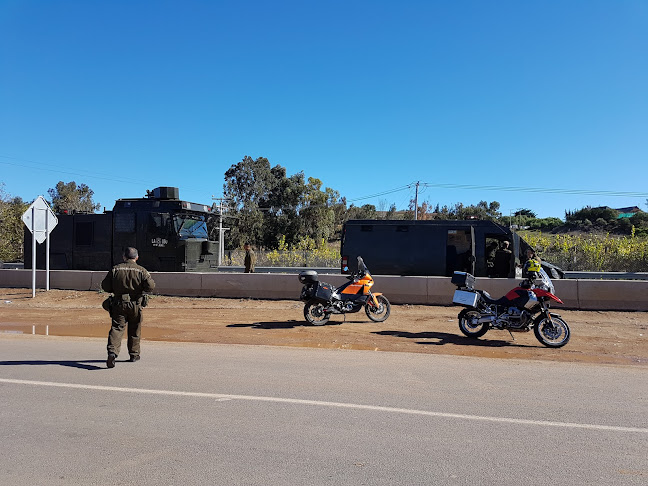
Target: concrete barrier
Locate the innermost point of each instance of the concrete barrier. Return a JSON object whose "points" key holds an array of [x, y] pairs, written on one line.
{"points": [[249, 285], [613, 294], [402, 290], [179, 284], [70, 279], [576, 294]]}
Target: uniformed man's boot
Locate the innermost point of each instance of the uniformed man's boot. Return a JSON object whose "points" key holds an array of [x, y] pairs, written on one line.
{"points": [[110, 362]]}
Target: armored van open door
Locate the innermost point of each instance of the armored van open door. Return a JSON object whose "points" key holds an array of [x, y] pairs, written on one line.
{"points": [[460, 250], [472, 257]]}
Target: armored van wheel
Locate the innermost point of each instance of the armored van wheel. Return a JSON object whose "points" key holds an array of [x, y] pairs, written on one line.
{"points": [[380, 313], [315, 313]]}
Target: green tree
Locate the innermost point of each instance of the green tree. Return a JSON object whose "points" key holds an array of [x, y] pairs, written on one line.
{"points": [[424, 211], [544, 224], [525, 212], [72, 198], [366, 211], [282, 225], [318, 213], [247, 183], [271, 208], [11, 226], [483, 210], [577, 218], [640, 220]]}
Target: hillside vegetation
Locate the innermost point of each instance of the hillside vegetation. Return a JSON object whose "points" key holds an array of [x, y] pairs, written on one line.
{"points": [[591, 252]]}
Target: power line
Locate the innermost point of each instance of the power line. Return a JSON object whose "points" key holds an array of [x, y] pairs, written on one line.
{"points": [[65, 170], [582, 192], [384, 193]]}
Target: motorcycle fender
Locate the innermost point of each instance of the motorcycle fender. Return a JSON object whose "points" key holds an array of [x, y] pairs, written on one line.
{"points": [[544, 293], [374, 300]]}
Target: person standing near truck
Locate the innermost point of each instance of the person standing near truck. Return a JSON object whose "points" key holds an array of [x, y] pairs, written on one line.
{"points": [[128, 281], [250, 258]]}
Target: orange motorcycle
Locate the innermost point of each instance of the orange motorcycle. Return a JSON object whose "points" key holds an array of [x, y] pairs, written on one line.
{"points": [[323, 300]]}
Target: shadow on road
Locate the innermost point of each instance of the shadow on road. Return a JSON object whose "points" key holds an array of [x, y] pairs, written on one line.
{"points": [[442, 338], [293, 323], [283, 325], [81, 364], [271, 325]]}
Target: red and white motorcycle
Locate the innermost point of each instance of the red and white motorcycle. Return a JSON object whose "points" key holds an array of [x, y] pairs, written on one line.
{"points": [[521, 309]]}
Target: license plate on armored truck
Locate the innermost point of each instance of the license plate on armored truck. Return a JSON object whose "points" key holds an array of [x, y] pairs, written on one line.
{"points": [[469, 299]]}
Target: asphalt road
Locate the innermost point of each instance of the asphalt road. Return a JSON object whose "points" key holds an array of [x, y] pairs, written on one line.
{"points": [[215, 414]]}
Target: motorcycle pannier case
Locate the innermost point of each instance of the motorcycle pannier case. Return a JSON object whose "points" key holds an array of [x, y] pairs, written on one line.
{"points": [[463, 280], [308, 277], [468, 299], [323, 292]]}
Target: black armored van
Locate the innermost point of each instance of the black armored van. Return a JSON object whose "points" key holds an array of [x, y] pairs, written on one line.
{"points": [[170, 234], [436, 247]]}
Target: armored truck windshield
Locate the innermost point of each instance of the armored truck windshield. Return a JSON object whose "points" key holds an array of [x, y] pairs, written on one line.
{"points": [[190, 226]]}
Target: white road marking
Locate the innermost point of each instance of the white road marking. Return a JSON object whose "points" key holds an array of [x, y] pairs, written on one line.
{"points": [[376, 408]]}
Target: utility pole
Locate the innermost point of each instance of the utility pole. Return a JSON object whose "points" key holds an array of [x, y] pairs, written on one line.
{"points": [[416, 201], [221, 230]]}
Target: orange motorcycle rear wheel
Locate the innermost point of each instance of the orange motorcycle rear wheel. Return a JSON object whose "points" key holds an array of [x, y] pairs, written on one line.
{"points": [[315, 313]]}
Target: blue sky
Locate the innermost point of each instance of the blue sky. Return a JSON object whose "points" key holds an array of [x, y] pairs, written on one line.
{"points": [[539, 105]]}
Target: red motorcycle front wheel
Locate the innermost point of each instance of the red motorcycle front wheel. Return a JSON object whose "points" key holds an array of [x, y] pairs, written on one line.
{"points": [[552, 333]]}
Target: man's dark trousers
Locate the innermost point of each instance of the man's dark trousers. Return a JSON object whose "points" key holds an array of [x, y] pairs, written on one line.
{"points": [[123, 314]]}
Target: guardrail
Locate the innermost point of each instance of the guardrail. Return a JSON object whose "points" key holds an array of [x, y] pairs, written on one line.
{"points": [[581, 294]]}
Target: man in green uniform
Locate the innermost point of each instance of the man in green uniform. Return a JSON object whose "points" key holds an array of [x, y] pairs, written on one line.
{"points": [[250, 258], [127, 281]]}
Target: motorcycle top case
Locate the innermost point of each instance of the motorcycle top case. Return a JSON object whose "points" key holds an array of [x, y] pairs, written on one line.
{"points": [[463, 279], [308, 276], [465, 298]]}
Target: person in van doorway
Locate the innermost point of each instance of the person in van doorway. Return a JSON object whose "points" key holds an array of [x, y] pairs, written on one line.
{"points": [[502, 266], [491, 249], [128, 281], [531, 255], [250, 258]]}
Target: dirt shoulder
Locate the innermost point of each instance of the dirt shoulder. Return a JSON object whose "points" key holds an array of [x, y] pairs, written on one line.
{"points": [[597, 337]]}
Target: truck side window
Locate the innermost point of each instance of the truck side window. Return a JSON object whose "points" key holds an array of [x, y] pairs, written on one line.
{"points": [[83, 233], [159, 223], [125, 222]]}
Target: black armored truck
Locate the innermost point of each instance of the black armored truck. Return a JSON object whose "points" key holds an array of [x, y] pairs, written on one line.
{"points": [[171, 235], [435, 247]]}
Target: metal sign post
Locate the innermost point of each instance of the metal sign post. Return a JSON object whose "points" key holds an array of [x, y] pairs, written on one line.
{"points": [[40, 220]]}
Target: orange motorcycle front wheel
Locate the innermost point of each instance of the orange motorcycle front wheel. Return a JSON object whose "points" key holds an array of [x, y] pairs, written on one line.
{"points": [[380, 313]]}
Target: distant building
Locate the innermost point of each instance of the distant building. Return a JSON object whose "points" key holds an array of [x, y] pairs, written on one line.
{"points": [[628, 212]]}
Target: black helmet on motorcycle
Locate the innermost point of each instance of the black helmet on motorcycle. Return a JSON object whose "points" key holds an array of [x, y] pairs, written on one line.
{"points": [[527, 283]]}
